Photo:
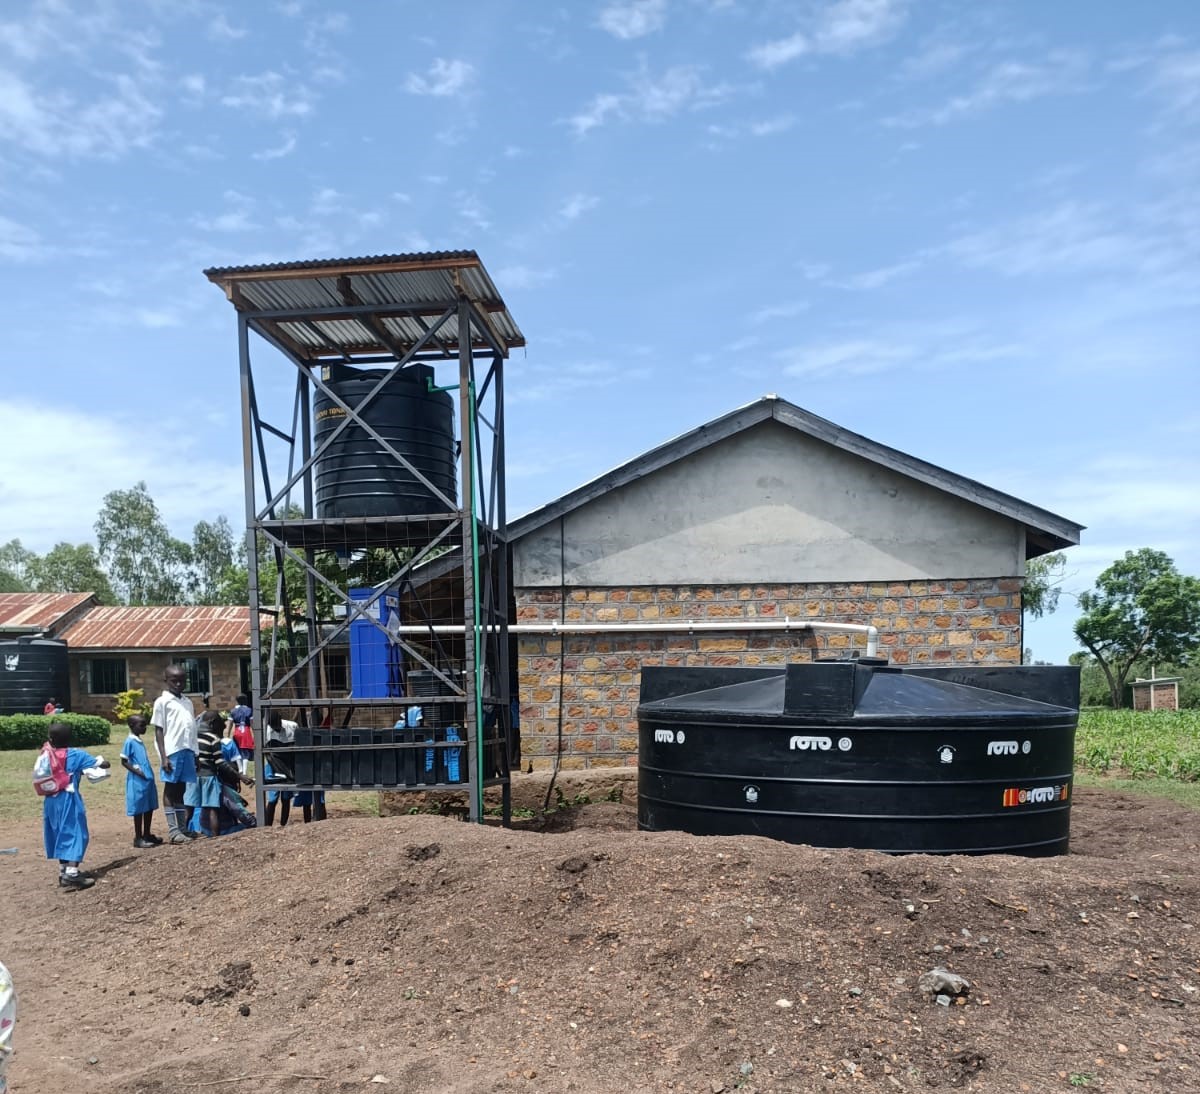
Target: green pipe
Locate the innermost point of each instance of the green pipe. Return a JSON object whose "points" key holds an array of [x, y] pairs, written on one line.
{"points": [[475, 593], [431, 387]]}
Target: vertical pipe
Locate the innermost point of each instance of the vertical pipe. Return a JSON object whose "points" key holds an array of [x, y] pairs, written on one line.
{"points": [[501, 563], [466, 403], [310, 584], [249, 424]]}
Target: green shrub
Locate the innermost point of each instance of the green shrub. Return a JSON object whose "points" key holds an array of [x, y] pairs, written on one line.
{"points": [[29, 730], [131, 702]]}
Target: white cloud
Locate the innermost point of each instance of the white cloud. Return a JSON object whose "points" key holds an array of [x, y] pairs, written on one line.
{"points": [[269, 95], [651, 98], [444, 78], [221, 30], [55, 124], [472, 210], [1061, 72], [92, 456], [764, 127], [286, 148], [1176, 80], [634, 18], [576, 205], [19, 243], [779, 311], [840, 28], [778, 52], [157, 318], [523, 277]]}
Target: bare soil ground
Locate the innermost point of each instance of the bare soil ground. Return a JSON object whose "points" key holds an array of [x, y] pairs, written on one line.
{"points": [[420, 953]]}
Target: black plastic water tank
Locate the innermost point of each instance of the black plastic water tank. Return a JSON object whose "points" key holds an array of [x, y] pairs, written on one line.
{"points": [[355, 477], [859, 754], [33, 670]]}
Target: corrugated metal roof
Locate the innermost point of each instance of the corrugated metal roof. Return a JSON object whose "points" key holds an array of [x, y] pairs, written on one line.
{"points": [[407, 293], [37, 611], [162, 628]]}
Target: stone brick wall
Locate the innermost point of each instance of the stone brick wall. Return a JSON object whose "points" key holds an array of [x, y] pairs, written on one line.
{"points": [[919, 622], [145, 671]]}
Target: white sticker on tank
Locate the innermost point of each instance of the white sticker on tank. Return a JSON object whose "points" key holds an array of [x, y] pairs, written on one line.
{"points": [[1003, 748], [946, 754], [12, 661], [845, 744], [751, 794], [1026, 746]]}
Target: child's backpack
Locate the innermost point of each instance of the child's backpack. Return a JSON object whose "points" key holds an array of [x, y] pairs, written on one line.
{"points": [[50, 771]]}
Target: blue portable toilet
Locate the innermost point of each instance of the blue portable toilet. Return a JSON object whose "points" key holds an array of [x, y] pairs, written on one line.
{"points": [[374, 657]]}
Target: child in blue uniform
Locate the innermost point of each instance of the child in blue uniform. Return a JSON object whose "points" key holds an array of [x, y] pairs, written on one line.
{"points": [[141, 793], [64, 819]]}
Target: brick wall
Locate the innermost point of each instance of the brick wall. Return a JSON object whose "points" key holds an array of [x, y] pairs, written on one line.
{"points": [[145, 671], [919, 622], [1165, 696]]}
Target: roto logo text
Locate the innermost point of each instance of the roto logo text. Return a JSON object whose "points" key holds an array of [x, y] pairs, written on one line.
{"points": [[803, 744], [1039, 795], [1002, 748], [669, 737]]}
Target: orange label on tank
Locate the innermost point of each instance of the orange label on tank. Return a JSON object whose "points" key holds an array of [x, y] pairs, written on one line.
{"points": [[1037, 795]]}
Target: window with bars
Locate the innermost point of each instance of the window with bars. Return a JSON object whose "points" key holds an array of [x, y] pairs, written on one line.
{"points": [[105, 675], [199, 681]]}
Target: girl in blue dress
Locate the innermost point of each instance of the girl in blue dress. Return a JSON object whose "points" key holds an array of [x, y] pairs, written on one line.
{"points": [[141, 793], [64, 819]]}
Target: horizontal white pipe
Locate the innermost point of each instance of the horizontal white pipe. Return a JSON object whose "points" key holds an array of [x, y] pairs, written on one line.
{"points": [[681, 626]]}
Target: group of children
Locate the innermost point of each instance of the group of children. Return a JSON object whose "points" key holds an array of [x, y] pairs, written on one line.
{"points": [[204, 764]]}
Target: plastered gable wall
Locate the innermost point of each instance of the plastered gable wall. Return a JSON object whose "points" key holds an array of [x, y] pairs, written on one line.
{"points": [[770, 504], [766, 524]]}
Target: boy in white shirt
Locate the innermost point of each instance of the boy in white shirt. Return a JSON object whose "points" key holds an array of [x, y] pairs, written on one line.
{"points": [[174, 721]]}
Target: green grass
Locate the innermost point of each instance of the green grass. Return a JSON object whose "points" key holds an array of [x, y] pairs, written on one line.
{"points": [[1184, 793], [18, 801], [1140, 744]]}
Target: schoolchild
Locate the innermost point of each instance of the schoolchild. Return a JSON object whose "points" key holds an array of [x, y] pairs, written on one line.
{"points": [[64, 818], [210, 766], [242, 717], [174, 721], [141, 793], [275, 768], [8, 1020]]}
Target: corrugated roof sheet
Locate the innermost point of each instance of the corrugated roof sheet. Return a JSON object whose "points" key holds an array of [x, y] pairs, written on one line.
{"points": [[187, 627], [389, 284], [37, 611]]}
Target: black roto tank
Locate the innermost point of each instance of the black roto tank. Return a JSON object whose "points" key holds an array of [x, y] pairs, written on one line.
{"points": [[33, 670], [355, 477], [859, 754]]}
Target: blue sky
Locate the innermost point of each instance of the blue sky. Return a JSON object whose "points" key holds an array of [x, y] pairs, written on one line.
{"points": [[969, 231]]}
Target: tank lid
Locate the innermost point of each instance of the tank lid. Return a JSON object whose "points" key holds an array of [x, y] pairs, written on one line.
{"points": [[836, 691]]}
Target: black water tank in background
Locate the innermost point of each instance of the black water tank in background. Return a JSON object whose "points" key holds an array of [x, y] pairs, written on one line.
{"points": [[357, 478], [33, 670], [859, 754]]}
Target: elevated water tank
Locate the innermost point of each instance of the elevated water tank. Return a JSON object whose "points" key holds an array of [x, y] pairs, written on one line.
{"points": [[859, 754], [33, 670], [355, 477]]}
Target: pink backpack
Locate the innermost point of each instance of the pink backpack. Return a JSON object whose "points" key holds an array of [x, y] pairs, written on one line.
{"points": [[50, 772]]}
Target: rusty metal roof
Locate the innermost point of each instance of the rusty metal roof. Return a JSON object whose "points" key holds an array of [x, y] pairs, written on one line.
{"points": [[187, 627], [339, 307], [28, 612]]}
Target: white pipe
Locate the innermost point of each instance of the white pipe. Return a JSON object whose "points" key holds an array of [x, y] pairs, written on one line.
{"points": [[682, 626]]}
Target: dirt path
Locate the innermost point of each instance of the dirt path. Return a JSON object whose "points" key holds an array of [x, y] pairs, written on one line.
{"points": [[441, 956]]}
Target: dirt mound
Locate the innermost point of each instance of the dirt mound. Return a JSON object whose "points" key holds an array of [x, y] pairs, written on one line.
{"points": [[418, 953]]}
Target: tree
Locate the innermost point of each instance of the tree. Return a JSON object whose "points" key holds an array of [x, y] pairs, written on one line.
{"points": [[14, 567], [71, 568], [1142, 608], [212, 556], [1040, 592], [145, 563]]}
